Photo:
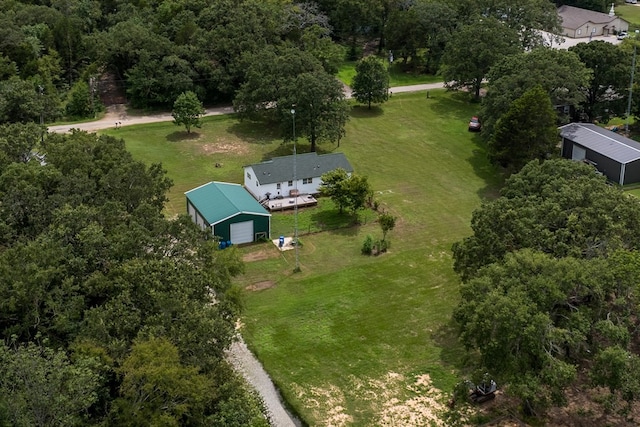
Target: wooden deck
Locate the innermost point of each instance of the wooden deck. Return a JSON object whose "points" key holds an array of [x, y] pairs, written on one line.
{"points": [[290, 203]]}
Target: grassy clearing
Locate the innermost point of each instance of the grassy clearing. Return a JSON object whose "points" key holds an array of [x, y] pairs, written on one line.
{"points": [[350, 339], [397, 76], [337, 332], [630, 13]]}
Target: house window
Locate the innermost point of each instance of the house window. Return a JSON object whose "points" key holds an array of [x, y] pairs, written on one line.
{"points": [[278, 186], [593, 31], [307, 180], [248, 175], [579, 32], [290, 183]]}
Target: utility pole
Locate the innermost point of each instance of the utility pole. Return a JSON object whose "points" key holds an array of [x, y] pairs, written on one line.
{"points": [[295, 188], [633, 70], [41, 91]]}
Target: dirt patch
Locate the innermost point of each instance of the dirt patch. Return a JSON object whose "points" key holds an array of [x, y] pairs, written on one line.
{"points": [[259, 255], [223, 146], [260, 286], [394, 399]]}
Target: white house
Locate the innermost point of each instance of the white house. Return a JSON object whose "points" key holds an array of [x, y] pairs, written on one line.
{"points": [[273, 178], [579, 23]]}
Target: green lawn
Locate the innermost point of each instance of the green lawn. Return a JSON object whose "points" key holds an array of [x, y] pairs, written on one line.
{"points": [[630, 13], [349, 333], [397, 77]]}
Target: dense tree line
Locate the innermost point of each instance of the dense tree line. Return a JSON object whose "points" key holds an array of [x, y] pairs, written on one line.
{"points": [[109, 313], [550, 287]]}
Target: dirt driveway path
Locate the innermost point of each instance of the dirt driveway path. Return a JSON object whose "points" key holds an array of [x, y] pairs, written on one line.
{"points": [[117, 116]]}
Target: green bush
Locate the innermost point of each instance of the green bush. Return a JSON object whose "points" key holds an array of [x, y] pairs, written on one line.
{"points": [[367, 246]]}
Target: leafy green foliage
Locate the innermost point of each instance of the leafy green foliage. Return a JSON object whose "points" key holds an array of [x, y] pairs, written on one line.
{"points": [[187, 110], [560, 73], [527, 131], [139, 308], [371, 82], [553, 291], [280, 81], [347, 191], [387, 223], [41, 386], [473, 50], [559, 207], [609, 66]]}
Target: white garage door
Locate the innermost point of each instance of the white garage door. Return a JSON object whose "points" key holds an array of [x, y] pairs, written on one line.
{"points": [[242, 232], [578, 153]]}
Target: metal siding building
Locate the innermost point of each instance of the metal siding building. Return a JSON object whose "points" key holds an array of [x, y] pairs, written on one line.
{"points": [[229, 211], [614, 155]]}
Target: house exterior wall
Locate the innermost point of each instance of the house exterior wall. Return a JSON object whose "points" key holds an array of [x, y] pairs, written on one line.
{"points": [[261, 224], [196, 216], [589, 28], [632, 172], [260, 191]]}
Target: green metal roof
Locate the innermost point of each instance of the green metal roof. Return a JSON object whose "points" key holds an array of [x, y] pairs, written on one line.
{"points": [[217, 201]]}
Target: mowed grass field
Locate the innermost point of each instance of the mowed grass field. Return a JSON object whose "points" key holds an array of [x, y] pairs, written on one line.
{"points": [[351, 339]]}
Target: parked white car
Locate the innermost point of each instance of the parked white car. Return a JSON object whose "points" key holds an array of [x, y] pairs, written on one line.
{"points": [[631, 1]]}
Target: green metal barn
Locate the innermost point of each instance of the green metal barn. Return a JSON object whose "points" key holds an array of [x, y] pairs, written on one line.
{"points": [[229, 211]]}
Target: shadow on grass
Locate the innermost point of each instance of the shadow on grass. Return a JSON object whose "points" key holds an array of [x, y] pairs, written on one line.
{"points": [[452, 352], [255, 132], [363, 112], [493, 177], [182, 136]]}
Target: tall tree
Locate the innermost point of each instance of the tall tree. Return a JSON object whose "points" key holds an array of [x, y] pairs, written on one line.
{"points": [[371, 82], [560, 73], [605, 95], [527, 131], [187, 111], [560, 207], [277, 83], [473, 50]]}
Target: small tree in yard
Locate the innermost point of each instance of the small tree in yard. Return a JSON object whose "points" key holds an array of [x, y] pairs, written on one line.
{"points": [[371, 82], [387, 223], [351, 192], [187, 110]]}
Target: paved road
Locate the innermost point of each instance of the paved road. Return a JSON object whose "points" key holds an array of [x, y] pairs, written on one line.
{"points": [[117, 115]]}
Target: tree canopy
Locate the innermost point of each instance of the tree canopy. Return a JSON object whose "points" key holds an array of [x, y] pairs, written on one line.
{"points": [[371, 82], [98, 291], [606, 93], [282, 80], [560, 73], [527, 131], [187, 111], [550, 285], [474, 49]]}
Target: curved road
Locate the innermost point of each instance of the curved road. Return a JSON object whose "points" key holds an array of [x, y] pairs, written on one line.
{"points": [[117, 113]]}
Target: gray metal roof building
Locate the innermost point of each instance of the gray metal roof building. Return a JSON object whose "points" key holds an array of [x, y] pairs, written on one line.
{"points": [[616, 156], [280, 169]]}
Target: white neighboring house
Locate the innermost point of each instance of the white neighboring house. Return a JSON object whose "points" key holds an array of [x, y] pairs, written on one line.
{"points": [[579, 23], [273, 179]]}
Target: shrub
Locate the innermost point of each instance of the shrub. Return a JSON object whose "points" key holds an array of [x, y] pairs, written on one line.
{"points": [[367, 246]]}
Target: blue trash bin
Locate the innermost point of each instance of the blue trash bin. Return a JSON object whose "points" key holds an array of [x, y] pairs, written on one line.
{"points": [[228, 243], [222, 244], [281, 241]]}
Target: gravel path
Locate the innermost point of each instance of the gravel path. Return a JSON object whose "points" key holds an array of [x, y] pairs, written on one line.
{"points": [[117, 116], [246, 363]]}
